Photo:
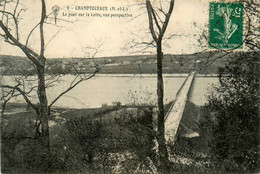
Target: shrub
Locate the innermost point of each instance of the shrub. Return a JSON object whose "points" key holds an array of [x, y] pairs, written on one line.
{"points": [[98, 146], [235, 107]]}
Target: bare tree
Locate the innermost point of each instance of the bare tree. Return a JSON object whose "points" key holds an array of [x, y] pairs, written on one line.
{"points": [[9, 24], [159, 13], [158, 21]]}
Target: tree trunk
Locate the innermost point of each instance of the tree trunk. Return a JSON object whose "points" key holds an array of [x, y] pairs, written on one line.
{"points": [[163, 155], [3, 108], [43, 108]]}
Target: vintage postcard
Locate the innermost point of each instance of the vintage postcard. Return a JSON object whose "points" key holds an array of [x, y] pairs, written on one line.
{"points": [[129, 86]]}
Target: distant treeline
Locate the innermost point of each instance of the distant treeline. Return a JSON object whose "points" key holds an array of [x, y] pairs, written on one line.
{"points": [[206, 62]]}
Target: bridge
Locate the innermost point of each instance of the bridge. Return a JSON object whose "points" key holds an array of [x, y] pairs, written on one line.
{"points": [[174, 115]]}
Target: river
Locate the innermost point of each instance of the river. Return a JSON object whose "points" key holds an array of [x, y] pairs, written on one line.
{"points": [[124, 88]]}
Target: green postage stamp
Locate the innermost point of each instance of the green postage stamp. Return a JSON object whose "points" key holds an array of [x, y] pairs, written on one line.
{"points": [[225, 25]]}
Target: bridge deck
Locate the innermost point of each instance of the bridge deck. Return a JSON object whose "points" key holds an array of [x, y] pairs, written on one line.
{"points": [[174, 115]]}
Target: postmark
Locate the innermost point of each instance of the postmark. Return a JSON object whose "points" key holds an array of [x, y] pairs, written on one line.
{"points": [[225, 25]]}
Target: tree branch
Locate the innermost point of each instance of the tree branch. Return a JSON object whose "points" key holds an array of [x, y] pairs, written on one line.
{"points": [[52, 38], [28, 52], [29, 35], [155, 20], [167, 18], [43, 15], [150, 18], [72, 86], [23, 94]]}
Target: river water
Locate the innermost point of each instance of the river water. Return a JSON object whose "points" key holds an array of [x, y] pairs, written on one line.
{"points": [[123, 88]]}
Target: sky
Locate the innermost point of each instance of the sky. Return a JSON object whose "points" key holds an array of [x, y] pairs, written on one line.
{"points": [[80, 36]]}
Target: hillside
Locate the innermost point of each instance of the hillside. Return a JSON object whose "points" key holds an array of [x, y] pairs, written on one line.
{"points": [[201, 62]]}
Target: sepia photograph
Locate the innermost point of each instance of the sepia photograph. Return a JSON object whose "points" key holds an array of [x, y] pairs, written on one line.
{"points": [[129, 86]]}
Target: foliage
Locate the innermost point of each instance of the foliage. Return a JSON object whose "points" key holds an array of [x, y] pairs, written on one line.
{"points": [[21, 151], [235, 107], [81, 140], [142, 136], [98, 145]]}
